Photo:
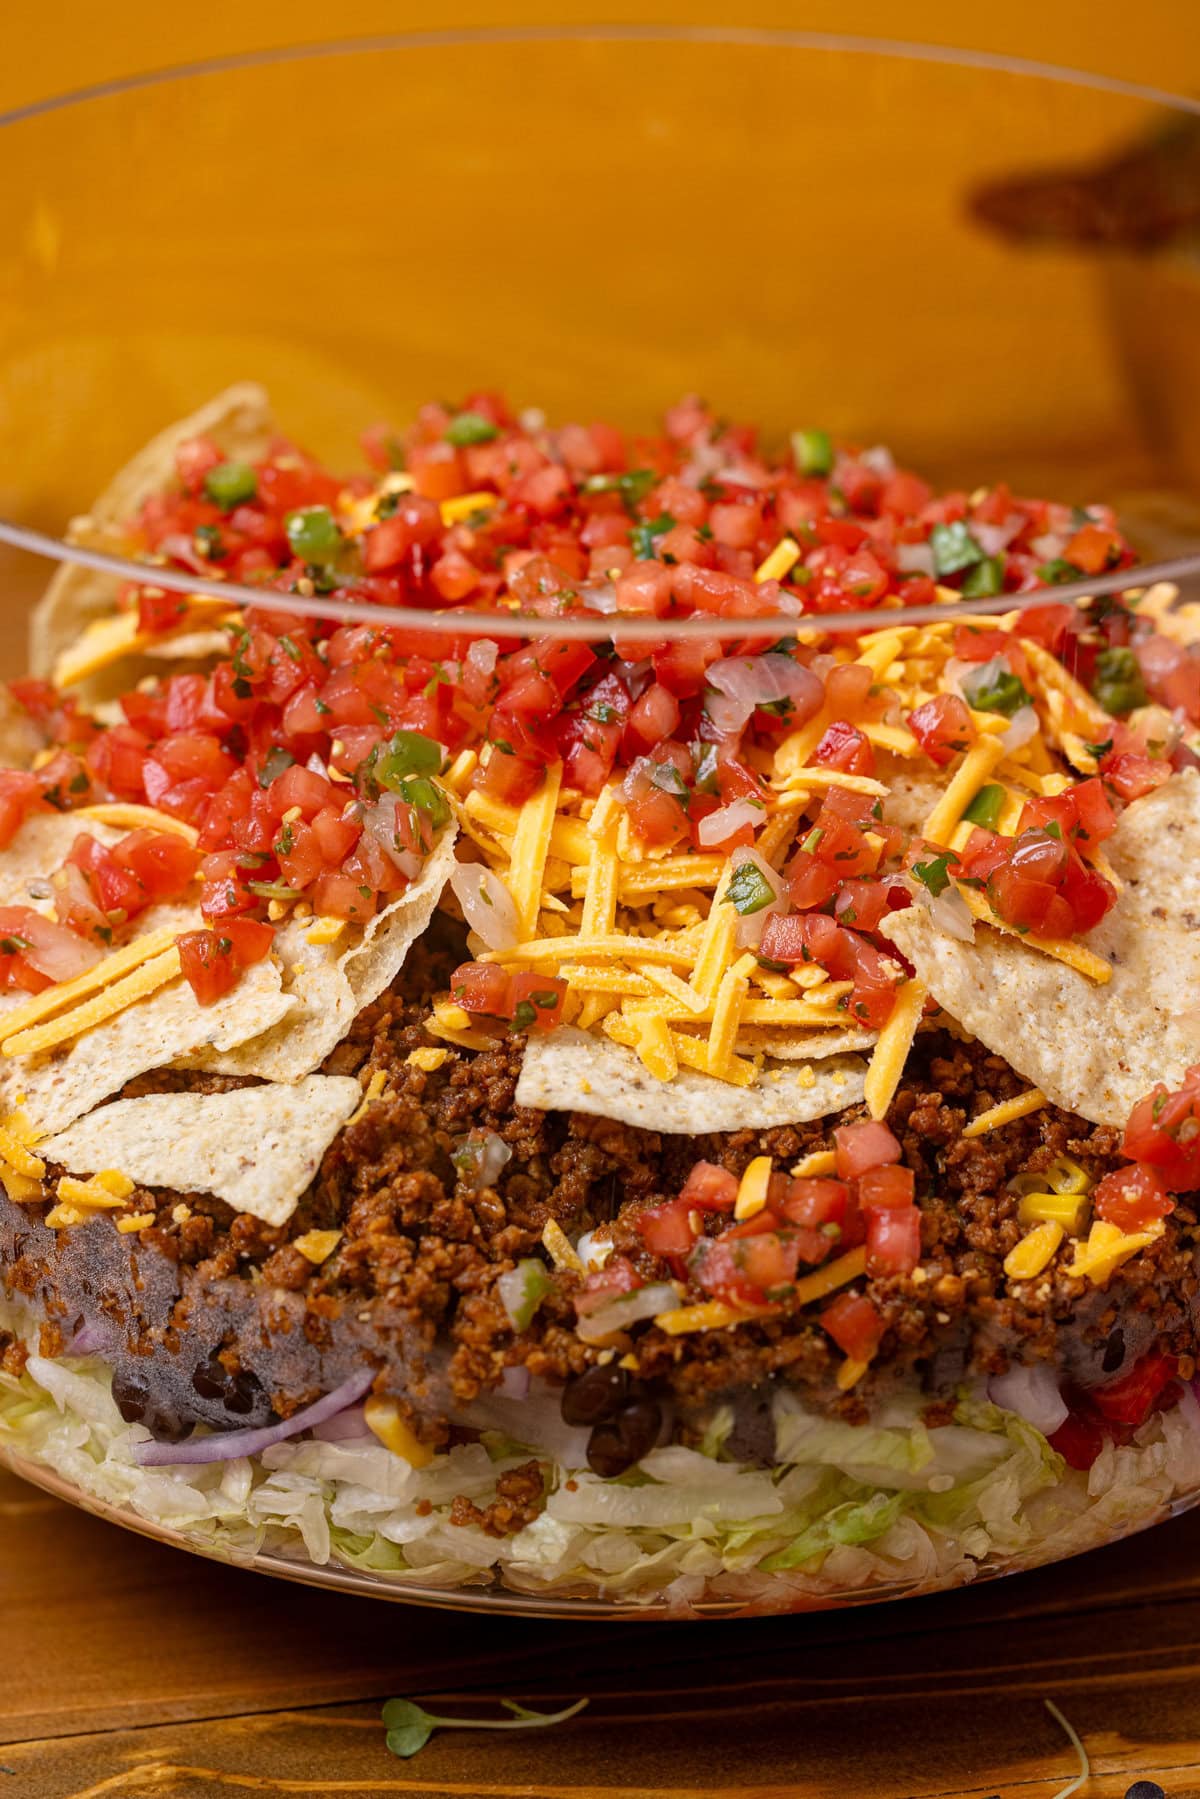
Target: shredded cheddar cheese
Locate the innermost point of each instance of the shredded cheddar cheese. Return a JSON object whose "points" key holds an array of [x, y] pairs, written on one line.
{"points": [[891, 1050], [147, 979], [1004, 1113], [66, 993]]}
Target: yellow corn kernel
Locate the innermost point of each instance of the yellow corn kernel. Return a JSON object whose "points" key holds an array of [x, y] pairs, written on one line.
{"points": [[752, 1189], [1067, 1209], [1033, 1251], [317, 1246], [383, 1420], [1066, 1176]]}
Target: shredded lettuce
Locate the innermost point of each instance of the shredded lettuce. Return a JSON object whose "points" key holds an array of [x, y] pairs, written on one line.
{"points": [[890, 1505]]}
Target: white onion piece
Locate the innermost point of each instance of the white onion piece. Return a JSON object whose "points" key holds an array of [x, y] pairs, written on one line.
{"points": [[1032, 1393], [380, 821], [626, 1309], [482, 654], [879, 460], [1049, 546], [993, 539], [914, 558], [479, 1157], [51, 948], [727, 819], [743, 683], [514, 1383], [750, 926], [949, 911], [487, 904], [1022, 730], [599, 596], [316, 766], [594, 1250], [531, 419], [954, 672]]}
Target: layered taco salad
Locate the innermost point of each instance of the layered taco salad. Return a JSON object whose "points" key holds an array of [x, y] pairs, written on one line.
{"points": [[703, 1120]]}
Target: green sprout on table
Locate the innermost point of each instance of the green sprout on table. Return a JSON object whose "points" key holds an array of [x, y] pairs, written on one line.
{"points": [[409, 1727]]}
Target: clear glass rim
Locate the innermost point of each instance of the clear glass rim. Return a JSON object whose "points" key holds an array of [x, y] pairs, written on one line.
{"points": [[601, 626]]}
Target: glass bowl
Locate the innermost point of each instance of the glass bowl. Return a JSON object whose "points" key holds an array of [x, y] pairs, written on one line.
{"points": [[596, 220]]}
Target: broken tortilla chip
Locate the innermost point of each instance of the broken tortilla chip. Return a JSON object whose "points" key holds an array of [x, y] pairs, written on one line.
{"points": [[238, 420], [570, 1070], [330, 983], [257, 1148], [1095, 1050]]}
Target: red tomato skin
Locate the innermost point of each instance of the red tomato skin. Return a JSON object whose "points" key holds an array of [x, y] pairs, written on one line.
{"points": [[710, 1188], [1079, 1440], [811, 1201], [854, 1324], [893, 1239], [666, 1230], [1132, 1198], [859, 1147], [891, 1185], [1131, 1398], [943, 727]]}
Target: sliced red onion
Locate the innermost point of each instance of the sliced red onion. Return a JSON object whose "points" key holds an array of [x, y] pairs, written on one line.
{"points": [[1022, 730], [487, 904], [750, 925], [346, 1427], [1032, 1393], [726, 819], [92, 1336], [743, 683], [626, 1309], [228, 1445], [914, 558], [380, 821], [482, 654]]}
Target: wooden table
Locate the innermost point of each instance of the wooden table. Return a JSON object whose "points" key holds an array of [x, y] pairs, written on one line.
{"points": [[131, 1668]]}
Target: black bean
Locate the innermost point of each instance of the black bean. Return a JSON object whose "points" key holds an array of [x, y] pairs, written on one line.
{"points": [[595, 1396], [617, 1444], [1145, 1789], [133, 1400], [210, 1379], [1114, 1352], [243, 1394]]}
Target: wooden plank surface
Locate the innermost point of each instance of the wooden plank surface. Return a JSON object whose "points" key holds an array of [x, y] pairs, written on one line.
{"points": [[134, 1668]]}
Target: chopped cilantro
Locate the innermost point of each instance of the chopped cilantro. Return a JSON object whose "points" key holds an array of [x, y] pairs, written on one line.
{"points": [[954, 549], [1057, 572], [1099, 750], [409, 1727], [749, 890], [935, 874], [995, 689], [645, 535]]}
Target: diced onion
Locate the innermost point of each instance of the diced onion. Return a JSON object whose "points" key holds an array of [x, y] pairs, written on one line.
{"points": [[1022, 730], [727, 819], [1032, 1393], [626, 1309], [482, 654], [914, 558], [380, 821], [879, 460], [743, 683], [51, 948], [751, 925], [316, 766], [599, 596], [949, 910], [1049, 546], [487, 904], [479, 1157], [994, 539]]}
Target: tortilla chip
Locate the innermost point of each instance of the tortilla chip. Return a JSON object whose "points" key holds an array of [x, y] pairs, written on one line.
{"points": [[802, 1046], [914, 789], [62, 1084], [330, 983], [239, 421], [1095, 1050], [571, 1071], [257, 1148]]}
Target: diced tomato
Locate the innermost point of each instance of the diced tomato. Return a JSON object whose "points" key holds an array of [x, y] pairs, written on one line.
{"points": [[1079, 1440], [710, 1188], [510, 777], [536, 1000], [891, 1185], [658, 819], [666, 1230], [213, 960], [942, 727], [1130, 1399], [812, 1201], [483, 988], [893, 1239], [844, 747], [854, 1324], [1164, 1133], [1132, 776], [20, 795], [858, 1147]]}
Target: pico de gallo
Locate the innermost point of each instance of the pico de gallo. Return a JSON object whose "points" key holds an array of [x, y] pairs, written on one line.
{"points": [[304, 757]]}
